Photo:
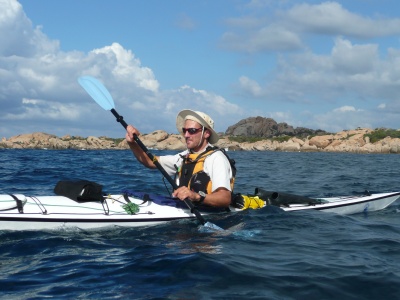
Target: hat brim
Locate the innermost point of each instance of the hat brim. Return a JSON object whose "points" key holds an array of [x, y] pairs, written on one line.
{"points": [[180, 121]]}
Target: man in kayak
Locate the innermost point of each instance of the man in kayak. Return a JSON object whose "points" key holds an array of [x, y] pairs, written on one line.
{"points": [[204, 172]]}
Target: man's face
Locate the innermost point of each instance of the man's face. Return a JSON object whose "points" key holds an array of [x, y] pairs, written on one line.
{"points": [[195, 141]]}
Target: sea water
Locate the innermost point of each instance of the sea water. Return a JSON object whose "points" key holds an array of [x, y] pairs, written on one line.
{"points": [[262, 254]]}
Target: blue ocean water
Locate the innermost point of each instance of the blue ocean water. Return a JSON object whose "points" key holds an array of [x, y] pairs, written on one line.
{"points": [[263, 254]]}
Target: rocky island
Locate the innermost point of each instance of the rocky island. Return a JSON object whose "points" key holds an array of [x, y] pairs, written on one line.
{"points": [[252, 134]]}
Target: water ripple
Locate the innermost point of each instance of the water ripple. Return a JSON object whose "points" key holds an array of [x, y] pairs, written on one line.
{"points": [[263, 254]]}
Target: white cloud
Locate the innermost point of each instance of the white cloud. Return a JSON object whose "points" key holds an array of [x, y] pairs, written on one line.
{"points": [[126, 67], [32, 109], [38, 80], [221, 111], [268, 38], [17, 35], [30, 101], [345, 108], [269, 29], [52, 77], [331, 18], [250, 86], [349, 70], [354, 59], [38, 84], [283, 116]]}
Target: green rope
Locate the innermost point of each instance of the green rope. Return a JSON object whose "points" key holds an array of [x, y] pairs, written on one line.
{"points": [[131, 208]]}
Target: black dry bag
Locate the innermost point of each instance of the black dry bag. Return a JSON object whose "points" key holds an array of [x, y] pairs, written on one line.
{"points": [[80, 191]]}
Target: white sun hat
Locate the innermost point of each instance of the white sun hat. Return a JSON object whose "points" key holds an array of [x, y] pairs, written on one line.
{"points": [[199, 117]]}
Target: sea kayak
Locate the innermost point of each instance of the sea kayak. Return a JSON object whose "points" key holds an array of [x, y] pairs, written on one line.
{"points": [[20, 212]]}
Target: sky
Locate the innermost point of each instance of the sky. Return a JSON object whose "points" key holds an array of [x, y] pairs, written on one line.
{"points": [[332, 65]]}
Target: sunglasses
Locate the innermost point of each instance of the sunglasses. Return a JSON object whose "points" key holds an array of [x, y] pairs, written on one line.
{"points": [[191, 130]]}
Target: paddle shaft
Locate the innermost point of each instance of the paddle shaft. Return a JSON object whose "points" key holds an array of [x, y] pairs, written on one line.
{"points": [[189, 203]]}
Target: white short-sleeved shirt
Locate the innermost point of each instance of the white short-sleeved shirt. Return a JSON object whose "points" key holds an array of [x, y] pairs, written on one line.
{"points": [[216, 166]]}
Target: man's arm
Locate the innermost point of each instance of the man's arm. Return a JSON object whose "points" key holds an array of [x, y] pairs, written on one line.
{"points": [[221, 197], [140, 155]]}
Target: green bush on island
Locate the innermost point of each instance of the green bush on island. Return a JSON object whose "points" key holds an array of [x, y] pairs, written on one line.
{"points": [[245, 139], [281, 138], [381, 133], [375, 136], [253, 139], [79, 138], [119, 140], [116, 141]]}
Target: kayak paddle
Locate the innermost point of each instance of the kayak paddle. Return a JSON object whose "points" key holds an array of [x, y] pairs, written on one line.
{"points": [[103, 98]]}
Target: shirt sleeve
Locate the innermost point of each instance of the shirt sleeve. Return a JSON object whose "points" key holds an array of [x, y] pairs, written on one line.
{"points": [[219, 169], [168, 162]]}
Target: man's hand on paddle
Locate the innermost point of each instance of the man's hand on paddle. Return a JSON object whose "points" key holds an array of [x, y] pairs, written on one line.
{"points": [[183, 192], [130, 132], [140, 155]]}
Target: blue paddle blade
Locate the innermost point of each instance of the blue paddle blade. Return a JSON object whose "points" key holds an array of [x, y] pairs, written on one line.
{"points": [[97, 91], [212, 227]]}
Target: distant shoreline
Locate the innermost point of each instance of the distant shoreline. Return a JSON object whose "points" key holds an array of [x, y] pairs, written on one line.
{"points": [[349, 141]]}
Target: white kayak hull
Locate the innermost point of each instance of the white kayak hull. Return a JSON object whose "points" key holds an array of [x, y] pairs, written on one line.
{"points": [[54, 212]]}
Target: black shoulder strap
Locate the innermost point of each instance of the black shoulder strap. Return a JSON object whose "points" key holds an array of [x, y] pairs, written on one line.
{"points": [[206, 152], [232, 162], [19, 204]]}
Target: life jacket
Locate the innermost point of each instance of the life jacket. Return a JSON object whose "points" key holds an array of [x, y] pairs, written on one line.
{"points": [[191, 173]]}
